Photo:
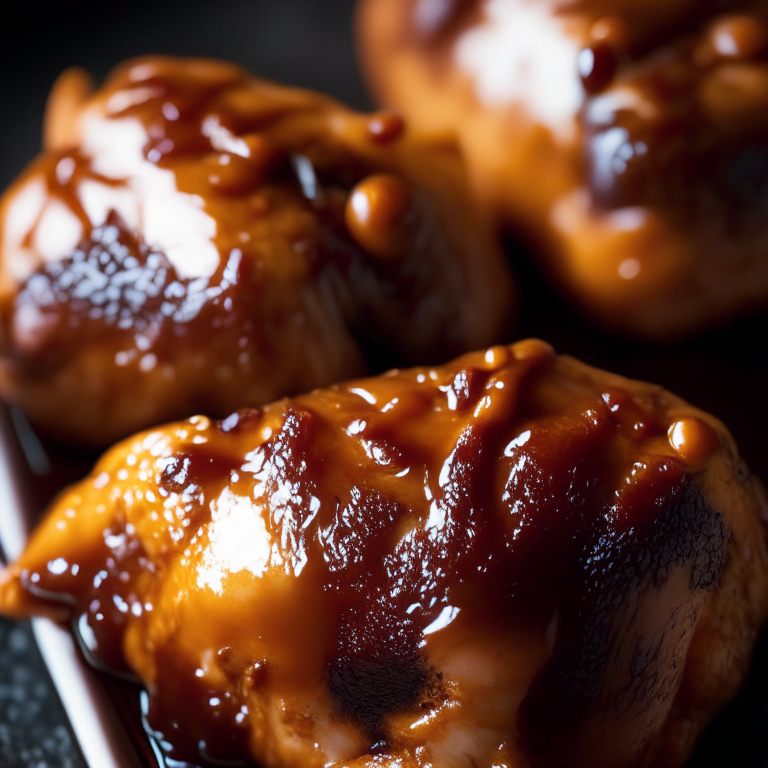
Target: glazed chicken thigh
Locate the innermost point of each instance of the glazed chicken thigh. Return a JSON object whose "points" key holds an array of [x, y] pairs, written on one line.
{"points": [[626, 141], [194, 240], [511, 560]]}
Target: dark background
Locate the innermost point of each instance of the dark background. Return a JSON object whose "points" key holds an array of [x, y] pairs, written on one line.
{"points": [[309, 43]]}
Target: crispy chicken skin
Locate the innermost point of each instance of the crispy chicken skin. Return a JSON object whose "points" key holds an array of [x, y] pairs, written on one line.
{"points": [[194, 239], [511, 560], [626, 140]]}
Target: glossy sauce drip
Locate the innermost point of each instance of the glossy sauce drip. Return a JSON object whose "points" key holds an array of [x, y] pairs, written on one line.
{"points": [[330, 548]]}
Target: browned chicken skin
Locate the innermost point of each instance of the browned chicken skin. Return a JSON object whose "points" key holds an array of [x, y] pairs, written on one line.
{"points": [[628, 140], [197, 240], [511, 560]]}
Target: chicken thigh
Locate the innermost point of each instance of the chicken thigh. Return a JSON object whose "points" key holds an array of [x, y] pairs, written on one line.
{"points": [[511, 560], [625, 140], [195, 240]]}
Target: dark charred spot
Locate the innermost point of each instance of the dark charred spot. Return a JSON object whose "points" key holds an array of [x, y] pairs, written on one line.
{"points": [[367, 690], [667, 525], [682, 169], [552, 492]]}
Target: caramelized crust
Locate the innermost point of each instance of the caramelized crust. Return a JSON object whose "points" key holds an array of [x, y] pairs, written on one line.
{"points": [[512, 560], [625, 140], [194, 239]]}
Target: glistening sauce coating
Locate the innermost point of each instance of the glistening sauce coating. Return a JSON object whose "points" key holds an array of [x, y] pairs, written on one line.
{"points": [[504, 561], [625, 140], [195, 239]]}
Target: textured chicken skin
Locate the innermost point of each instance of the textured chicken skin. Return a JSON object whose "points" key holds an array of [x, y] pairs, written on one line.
{"points": [[194, 239], [625, 139], [511, 560]]}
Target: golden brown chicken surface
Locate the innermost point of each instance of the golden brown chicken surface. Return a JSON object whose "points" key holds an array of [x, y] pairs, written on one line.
{"points": [[512, 560], [626, 140], [194, 240]]}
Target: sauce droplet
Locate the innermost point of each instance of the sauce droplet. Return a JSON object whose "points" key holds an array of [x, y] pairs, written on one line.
{"points": [[738, 37], [533, 350], [377, 215], [611, 30], [694, 441], [497, 357], [385, 128], [597, 66]]}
